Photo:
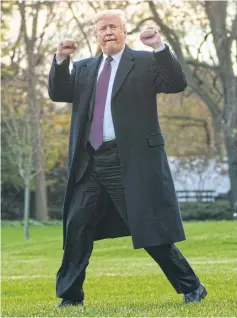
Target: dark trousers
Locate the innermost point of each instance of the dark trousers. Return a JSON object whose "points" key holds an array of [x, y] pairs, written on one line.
{"points": [[104, 174]]}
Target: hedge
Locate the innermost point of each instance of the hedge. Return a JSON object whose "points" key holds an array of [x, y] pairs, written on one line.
{"points": [[219, 210]]}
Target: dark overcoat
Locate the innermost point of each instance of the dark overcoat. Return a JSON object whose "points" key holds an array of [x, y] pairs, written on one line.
{"points": [[152, 208]]}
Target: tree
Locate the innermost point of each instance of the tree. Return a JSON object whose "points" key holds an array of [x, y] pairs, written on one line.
{"points": [[212, 79], [34, 109], [25, 65], [18, 149], [28, 53], [224, 37]]}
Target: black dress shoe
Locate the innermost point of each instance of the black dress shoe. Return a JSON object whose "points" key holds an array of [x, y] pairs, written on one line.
{"points": [[196, 295], [65, 303]]}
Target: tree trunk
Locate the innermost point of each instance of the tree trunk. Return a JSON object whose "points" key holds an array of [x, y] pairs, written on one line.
{"points": [[26, 210], [231, 135], [218, 136], [41, 195], [232, 163]]}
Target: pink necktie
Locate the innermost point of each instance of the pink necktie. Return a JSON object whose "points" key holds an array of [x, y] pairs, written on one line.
{"points": [[96, 133]]}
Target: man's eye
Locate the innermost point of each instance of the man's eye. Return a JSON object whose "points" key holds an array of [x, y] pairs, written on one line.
{"points": [[113, 27]]}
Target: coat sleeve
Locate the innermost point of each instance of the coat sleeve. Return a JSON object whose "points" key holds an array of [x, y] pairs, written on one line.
{"points": [[61, 81], [168, 74]]}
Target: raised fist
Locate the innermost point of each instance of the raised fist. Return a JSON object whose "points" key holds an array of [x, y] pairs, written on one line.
{"points": [[151, 37], [65, 47]]}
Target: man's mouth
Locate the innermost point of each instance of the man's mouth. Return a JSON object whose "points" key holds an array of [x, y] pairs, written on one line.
{"points": [[110, 40]]}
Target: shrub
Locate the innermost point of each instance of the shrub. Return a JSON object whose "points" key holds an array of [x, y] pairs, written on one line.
{"points": [[206, 210]]}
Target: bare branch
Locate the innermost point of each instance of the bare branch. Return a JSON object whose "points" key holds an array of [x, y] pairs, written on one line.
{"points": [[196, 63], [49, 19], [201, 44], [169, 33], [21, 6], [35, 22], [233, 34], [81, 28], [137, 28]]}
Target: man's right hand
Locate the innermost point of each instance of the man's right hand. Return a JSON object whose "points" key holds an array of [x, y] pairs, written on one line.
{"points": [[65, 47]]}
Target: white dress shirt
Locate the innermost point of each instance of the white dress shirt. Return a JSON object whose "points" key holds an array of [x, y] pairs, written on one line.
{"points": [[108, 126]]}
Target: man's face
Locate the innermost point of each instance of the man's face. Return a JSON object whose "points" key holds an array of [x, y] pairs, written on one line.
{"points": [[110, 34]]}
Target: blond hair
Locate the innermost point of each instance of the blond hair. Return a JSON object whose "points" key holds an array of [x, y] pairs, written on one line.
{"points": [[112, 12]]}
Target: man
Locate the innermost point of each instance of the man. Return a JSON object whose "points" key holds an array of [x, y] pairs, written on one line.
{"points": [[119, 178]]}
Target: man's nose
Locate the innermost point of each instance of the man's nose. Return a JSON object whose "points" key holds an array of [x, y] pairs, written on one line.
{"points": [[108, 30]]}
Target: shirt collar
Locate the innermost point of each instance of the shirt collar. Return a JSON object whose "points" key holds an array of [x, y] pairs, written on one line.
{"points": [[116, 57]]}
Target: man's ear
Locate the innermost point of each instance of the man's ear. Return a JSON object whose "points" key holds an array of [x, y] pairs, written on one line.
{"points": [[125, 33]]}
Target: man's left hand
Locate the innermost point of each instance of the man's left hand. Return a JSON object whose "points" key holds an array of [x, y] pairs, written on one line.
{"points": [[151, 37]]}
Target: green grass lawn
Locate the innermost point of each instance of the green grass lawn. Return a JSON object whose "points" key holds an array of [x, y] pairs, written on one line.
{"points": [[120, 281]]}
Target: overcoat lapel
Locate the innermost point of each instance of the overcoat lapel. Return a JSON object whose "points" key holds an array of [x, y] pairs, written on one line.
{"points": [[90, 75], [125, 66]]}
